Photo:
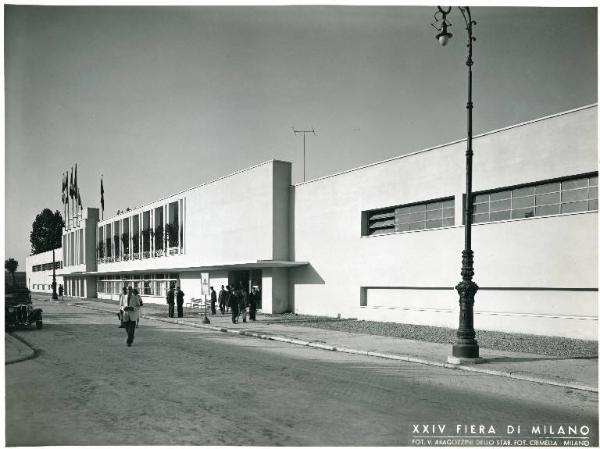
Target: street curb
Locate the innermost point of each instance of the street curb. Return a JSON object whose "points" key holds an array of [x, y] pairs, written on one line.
{"points": [[29, 351], [382, 355]]}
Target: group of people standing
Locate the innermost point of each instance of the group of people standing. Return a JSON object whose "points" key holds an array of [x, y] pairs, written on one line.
{"points": [[175, 294], [239, 301]]}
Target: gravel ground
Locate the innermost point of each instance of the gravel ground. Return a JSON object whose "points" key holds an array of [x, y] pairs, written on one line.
{"points": [[553, 346]]}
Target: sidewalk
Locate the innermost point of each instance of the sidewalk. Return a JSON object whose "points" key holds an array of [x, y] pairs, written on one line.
{"points": [[576, 373]]}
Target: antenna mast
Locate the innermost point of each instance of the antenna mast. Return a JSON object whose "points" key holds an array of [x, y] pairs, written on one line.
{"points": [[304, 145]]}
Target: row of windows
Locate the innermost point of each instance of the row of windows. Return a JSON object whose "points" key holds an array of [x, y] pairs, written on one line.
{"points": [[154, 284], [147, 234], [544, 198], [433, 214], [47, 266], [548, 198]]}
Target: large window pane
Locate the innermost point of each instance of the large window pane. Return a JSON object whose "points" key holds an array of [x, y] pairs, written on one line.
{"points": [[434, 214], [548, 188], [481, 198], [500, 205], [434, 223], [416, 226], [549, 198], [574, 183], [547, 210], [519, 203], [479, 218], [579, 206], [523, 213], [500, 195], [523, 191], [479, 208], [574, 195], [502, 215]]}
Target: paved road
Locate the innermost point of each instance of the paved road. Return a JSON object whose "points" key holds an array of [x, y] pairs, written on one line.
{"points": [[182, 386]]}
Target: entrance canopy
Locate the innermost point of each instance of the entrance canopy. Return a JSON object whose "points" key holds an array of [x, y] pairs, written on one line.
{"points": [[259, 264]]}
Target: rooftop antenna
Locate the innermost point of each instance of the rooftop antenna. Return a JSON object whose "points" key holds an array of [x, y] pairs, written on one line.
{"points": [[296, 131]]}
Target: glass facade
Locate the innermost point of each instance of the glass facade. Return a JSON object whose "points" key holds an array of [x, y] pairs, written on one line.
{"points": [[151, 284], [149, 233]]}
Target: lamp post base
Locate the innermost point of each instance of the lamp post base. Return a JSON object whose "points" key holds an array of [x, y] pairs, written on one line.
{"points": [[464, 361], [466, 349]]}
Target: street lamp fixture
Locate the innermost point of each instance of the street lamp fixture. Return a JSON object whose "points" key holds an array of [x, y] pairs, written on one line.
{"points": [[444, 36], [466, 347]]}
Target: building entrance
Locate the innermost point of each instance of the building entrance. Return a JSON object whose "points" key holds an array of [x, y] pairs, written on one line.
{"points": [[247, 279]]}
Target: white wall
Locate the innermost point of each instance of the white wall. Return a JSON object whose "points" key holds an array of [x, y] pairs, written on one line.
{"points": [[548, 252], [228, 221]]}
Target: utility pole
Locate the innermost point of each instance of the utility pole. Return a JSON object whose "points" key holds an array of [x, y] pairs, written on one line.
{"points": [[304, 144]]}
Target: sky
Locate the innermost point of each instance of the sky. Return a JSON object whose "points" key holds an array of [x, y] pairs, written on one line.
{"points": [[160, 99]]}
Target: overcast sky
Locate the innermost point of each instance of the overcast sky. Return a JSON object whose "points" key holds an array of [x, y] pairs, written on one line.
{"points": [[159, 99]]}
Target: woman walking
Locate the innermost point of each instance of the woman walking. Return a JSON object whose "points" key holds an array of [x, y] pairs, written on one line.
{"points": [[130, 305]]}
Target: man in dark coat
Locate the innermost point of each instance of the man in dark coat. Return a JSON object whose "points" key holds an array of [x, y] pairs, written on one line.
{"points": [[222, 294], [213, 301], [234, 302], [253, 303], [171, 300], [179, 295]]}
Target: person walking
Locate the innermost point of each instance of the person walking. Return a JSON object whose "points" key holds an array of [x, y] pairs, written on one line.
{"points": [[61, 290], [171, 300], [213, 300], [136, 292], [130, 304], [253, 303], [243, 303], [222, 300], [228, 294], [179, 295], [121, 302], [234, 302]]}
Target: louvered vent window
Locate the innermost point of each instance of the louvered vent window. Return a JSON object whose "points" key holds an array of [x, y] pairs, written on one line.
{"points": [[412, 217]]}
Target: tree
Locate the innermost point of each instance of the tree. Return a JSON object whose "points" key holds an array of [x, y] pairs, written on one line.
{"points": [[11, 265], [46, 233]]}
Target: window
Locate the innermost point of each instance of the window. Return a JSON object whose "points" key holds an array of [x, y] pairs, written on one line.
{"points": [[412, 217], [173, 225], [158, 230], [546, 198]]}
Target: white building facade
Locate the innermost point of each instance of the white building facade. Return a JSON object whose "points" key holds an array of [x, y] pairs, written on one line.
{"points": [[38, 271], [381, 242]]}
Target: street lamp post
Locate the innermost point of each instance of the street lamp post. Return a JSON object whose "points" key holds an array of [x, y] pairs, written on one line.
{"points": [[54, 295], [466, 346]]}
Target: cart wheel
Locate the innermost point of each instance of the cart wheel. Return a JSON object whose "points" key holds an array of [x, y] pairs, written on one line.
{"points": [[39, 324]]}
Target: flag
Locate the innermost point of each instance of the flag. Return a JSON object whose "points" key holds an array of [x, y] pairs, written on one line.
{"points": [[75, 188], [78, 198], [102, 194], [71, 185], [62, 192]]}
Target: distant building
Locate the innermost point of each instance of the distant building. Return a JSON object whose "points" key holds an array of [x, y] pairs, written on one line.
{"points": [[381, 242], [39, 271]]}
